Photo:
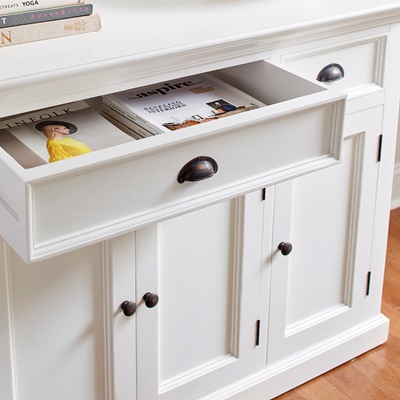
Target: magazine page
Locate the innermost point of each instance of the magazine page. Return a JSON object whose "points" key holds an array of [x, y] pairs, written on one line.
{"points": [[182, 103], [61, 137]]}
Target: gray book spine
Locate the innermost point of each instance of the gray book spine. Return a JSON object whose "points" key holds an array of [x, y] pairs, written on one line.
{"points": [[48, 14]]}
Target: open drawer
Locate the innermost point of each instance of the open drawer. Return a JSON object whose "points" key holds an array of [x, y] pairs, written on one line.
{"points": [[57, 207]]}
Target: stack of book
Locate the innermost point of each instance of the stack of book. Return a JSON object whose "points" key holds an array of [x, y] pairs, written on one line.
{"points": [[174, 105], [32, 20]]}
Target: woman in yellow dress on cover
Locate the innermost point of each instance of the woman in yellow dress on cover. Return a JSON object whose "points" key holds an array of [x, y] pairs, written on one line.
{"points": [[58, 145]]}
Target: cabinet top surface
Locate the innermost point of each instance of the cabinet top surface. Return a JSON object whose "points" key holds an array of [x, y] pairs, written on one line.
{"points": [[139, 27], [141, 30]]}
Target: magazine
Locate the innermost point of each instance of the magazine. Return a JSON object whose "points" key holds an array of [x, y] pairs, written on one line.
{"points": [[43, 113], [55, 138], [180, 103], [123, 127], [115, 116]]}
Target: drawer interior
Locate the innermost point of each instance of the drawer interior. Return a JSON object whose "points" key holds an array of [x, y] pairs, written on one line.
{"points": [[267, 82]]}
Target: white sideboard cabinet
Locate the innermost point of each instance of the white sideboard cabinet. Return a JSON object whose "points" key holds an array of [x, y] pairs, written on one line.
{"points": [[117, 282]]}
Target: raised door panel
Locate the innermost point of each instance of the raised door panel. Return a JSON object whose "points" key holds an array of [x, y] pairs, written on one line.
{"points": [[53, 316], [205, 266], [319, 289]]}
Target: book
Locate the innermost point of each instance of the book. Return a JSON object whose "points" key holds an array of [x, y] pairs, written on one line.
{"points": [[43, 15], [60, 137], [107, 111], [180, 103], [16, 6], [49, 30]]}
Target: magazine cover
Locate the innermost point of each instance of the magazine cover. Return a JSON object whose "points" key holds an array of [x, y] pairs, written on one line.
{"points": [[41, 114], [181, 103], [60, 137]]}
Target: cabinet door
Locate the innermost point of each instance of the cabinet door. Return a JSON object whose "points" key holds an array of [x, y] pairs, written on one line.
{"points": [[52, 318], [205, 267], [320, 288]]}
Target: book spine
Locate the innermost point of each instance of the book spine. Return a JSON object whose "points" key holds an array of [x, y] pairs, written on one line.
{"points": [[49, 30], [48, 14], [107, 100], [11, 7], [125, 121]]}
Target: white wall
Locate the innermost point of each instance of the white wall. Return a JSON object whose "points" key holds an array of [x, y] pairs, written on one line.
{"points": [[396, 175]]}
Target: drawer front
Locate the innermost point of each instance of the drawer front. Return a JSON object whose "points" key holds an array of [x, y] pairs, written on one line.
{"points": [[362, 61], [105, 202]]}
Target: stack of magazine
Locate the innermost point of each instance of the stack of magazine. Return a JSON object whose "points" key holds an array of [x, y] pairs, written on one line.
{"points": [[174, 105], [32, 20], [58, 133]]}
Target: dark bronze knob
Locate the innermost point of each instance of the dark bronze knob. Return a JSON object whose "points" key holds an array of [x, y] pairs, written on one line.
{"points": [[330, 73], [150, 299], [285, 248], [198, 169], [128, 308]]}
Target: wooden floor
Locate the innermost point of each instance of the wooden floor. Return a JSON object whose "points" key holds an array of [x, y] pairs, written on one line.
{"points": [[374, 375]]}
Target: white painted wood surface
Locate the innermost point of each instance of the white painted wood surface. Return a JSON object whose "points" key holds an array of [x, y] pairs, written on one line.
{"points": [[202, 334], [128, 185], [326, 274], [194, 34], [55, 320], [62, 331]]}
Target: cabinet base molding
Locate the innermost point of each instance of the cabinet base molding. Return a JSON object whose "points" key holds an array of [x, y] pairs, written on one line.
{"points": [[307, 364]]}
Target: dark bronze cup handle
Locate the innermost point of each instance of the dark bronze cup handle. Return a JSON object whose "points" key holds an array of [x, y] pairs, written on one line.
{"points": [[330, 73], [198, 169]]}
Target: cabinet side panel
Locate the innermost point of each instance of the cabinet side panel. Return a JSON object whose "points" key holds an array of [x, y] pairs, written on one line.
{"points": [[59, 326], [7, 382], [13, 225]]}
